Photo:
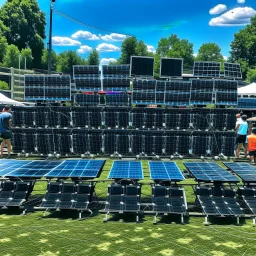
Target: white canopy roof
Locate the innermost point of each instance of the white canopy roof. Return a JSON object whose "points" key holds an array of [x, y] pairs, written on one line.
{"points": [[6, 101], [248, 89]]}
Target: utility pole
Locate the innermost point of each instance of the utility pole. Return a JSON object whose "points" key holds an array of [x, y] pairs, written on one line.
{"points": [[50, 39]]}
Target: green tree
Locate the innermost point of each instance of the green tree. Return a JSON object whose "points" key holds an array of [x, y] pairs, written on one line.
{"points": [[244, 44], [174, 47], [251, 75], [128, 49], [26, 58], [3, 48], [4, 85], [141, 49], [44, 64], [67, 59], [93, 58], [26, 26], [209, 52], [11, 58], [157, 66]]}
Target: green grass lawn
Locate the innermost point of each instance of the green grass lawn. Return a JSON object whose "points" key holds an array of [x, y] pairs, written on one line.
{"points": [[61, 233]]}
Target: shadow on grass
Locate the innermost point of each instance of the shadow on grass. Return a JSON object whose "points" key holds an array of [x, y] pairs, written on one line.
{"points": [[70, 214], [11, 211], [125, 217], [171, 218], [226, 220]]}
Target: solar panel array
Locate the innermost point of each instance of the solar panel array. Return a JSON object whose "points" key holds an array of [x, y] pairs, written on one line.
{"points": [[210, 172], [88, 83], [206, 69], [126, 170], [116, 83], [226, 92], [116, 70], [51, 169], [165, 171], [88, 99], [85, 70], [232, 70], [121, 99], [47, 88], [246, 103], [244, 170]]}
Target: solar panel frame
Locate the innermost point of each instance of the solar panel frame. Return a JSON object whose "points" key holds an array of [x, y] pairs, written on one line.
{"points": [[142, 57], [161, 67], [126, 173], [200, 70], [237, 73], [244, 170], [77, 169], [165, 171], [210, 172]]}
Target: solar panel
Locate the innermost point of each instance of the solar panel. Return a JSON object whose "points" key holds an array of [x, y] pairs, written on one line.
{"points": [[88, 83], [206, 69], [126, 170], [246, 103], [244, 170], [26, 168], [210, 172], [142, 66], [232, 70], [80, 70], [49, 88], [165, 171], [171, 67], [77, 169], [116, 69]]}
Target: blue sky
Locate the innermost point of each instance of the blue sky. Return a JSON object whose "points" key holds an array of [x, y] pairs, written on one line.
{"points": [[199, 21]]}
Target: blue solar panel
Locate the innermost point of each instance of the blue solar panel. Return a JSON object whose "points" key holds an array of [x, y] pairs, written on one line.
{"points": [[20, 168], [165, 171], [77, 169], [51, 169], [210, 172], [126, 170], [245, 171]]}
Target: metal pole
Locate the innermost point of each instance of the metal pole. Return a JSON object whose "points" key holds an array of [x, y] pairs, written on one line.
{"points": [[50, 39], [25, 67]]}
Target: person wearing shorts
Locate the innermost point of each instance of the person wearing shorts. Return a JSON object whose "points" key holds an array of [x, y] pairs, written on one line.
{"points": [[241, 130], [252, 145], [5, 130]]}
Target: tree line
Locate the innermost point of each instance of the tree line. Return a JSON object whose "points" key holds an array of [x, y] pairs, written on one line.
{"points": [[22, 35]]}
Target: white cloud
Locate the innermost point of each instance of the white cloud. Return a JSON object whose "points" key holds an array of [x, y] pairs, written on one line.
{"points": [[84, 49], [218, 9], [225, 57], [113, 37], [235, 17], [64, 41], [105, 61], [85, 35], [195, 54], [241, 1], [151, 48], [107, 48]]}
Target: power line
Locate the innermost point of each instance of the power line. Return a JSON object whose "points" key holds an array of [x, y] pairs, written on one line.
{"points": [[85, 25]]}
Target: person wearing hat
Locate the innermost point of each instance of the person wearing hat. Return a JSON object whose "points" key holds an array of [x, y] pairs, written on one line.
{"points": [[241, 130], [5, 130], [252, 145]]}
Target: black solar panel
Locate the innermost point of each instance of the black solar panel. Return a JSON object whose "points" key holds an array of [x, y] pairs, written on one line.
{"points": [[171, 67], [116, 70], [244, 170], [210, 172], [206, 69], [142, 66], [79, 70], [49, 88], [232, 70], [88, 83]]}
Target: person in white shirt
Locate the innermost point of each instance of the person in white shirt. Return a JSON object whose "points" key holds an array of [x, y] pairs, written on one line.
{"points": [[241, 130]]}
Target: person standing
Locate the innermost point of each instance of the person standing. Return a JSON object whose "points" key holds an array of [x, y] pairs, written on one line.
{"points": [[252, 145], [241, 130], [5, 130]]}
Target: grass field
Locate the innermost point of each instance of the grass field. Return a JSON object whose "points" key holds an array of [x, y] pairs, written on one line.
{"points": [[61, 233]]}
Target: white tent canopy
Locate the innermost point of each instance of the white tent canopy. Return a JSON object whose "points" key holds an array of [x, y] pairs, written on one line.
{"points": [[6, 101], [247, 90]]}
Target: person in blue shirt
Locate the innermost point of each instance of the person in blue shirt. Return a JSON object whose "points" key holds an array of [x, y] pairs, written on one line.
{"points": [[241, 130], [5, 130]]}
